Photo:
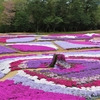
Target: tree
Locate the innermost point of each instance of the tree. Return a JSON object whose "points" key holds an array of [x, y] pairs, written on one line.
{"points": [[8, 13], [97, 17], [90, 9], [49, 15], [52, 22], [63, 11], [7, 16], [20, 4], [37, 12], [1, 9], [21, 21]]}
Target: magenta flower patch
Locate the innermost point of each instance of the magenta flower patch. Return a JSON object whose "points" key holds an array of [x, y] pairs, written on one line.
{"points": [[3, 39], [36, 46], [32, 48], [20, 92]]}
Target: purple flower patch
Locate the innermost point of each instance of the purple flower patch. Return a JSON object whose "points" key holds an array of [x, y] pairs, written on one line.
{"points": [[4, 49]]}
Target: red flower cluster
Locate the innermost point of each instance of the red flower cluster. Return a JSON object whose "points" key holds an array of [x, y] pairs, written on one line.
{"points": [[14, 65], [90, 84], [65, 82]]}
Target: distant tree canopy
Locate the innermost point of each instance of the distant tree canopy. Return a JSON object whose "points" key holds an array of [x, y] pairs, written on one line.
{"points": [[49, 15]]}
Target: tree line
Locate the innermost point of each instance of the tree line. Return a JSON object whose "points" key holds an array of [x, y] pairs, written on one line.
{"points": [[49, 15]]}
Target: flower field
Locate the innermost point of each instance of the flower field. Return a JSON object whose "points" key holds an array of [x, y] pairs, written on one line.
{"points": [[28, 57]]}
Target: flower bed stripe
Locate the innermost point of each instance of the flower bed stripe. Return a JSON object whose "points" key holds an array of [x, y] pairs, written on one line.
{"points": [[68, 83], [69, 45], [81, 42], [21, 39], [90, 84], [21, 92], [36, 46], [91, 34], [78, 34], [32, 63], [3, 40], [4, 49]]}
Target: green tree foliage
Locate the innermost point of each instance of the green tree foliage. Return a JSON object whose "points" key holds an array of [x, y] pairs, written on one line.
{"points": [[1, 6], [97, 17], [1, 9], [21, 21], [50, 15], [20, 4]]}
